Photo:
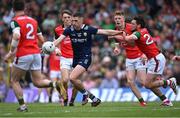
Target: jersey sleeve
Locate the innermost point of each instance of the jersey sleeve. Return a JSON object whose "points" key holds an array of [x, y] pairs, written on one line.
{"points": [[14, 25], [66, 32], [55, 34], [137, 34], [39, 31], [93, 30]]}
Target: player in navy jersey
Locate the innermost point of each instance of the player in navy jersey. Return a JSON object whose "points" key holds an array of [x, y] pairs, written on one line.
{"points": [[81, 37]]}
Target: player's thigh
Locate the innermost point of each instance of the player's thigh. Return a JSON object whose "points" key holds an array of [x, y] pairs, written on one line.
{"points": [[150, 78], [77, 71], [142, 76], [36, 64], [156, 65], [65, 74], [17, 73], [36, 76], [131, 75]]}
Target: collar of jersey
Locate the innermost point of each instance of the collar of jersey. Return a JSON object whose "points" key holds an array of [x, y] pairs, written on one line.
{"points": [[83, 26]]}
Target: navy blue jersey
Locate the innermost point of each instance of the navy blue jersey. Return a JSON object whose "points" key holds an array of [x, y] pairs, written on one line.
{"points": [[81, 40]]}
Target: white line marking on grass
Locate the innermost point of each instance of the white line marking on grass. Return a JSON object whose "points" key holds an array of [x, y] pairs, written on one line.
{"points": [[7, 114]]}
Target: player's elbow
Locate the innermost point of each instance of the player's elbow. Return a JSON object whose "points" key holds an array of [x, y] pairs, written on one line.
{"points": [[16, 36]]}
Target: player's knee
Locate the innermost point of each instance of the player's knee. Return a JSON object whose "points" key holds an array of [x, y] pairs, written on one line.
{"points": [[130, 82], [37, 84], [72, 81], [14, 80], [65, 80], [148, 85], [71, 78]]}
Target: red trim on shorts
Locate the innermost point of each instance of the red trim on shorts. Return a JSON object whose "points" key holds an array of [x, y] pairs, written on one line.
{"points": [[157, 64], [16, 62]]}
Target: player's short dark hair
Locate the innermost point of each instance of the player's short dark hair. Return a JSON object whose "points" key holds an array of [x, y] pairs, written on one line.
{"points": [[140, 21], [18, 5], [119, 13], [66, 11], [77, 14]]}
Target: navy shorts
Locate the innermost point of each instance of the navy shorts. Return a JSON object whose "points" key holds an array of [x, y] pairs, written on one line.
{"points": [[84, 61]]}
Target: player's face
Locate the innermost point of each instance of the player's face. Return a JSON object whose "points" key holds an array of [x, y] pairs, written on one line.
{"points": [[67, 19], [119, 20], [134, 24], [77, 22]]}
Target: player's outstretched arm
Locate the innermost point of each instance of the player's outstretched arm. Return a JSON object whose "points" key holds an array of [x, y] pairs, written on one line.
{"points": [[58, 40], [109, 32], [14, 44], [131, 37], [45, 64], [40, 39], [176, 58]]}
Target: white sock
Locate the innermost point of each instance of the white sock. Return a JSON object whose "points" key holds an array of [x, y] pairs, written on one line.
{"points": [[168, 82], [165, 100], [86, 93], [95, 99], [23, 106], [54, 84]]}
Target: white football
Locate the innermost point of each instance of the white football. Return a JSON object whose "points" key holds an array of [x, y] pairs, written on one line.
{"points": [[48, 47]]}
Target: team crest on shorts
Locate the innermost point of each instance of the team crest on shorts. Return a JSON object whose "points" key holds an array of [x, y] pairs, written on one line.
{"points": [[85, 34]]}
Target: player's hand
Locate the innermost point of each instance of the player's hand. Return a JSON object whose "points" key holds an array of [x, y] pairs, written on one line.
{"points": [[58, 52], [176, 58], [144, 58], [116, 51], [110, 37], [8, 56]]}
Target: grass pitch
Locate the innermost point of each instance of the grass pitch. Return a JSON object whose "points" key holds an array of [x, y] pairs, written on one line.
{"points": [[106, 109]]}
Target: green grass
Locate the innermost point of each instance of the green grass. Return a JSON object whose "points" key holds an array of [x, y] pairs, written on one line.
{"points": [[115, 109]]}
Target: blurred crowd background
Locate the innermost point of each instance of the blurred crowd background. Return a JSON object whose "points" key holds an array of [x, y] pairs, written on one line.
{"points": [[107, 70]]}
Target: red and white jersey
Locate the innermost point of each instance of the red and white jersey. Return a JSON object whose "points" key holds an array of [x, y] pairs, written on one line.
{"points": [[54, 62], [146, 44], [132, 51], [28, 42], [65, 45]]}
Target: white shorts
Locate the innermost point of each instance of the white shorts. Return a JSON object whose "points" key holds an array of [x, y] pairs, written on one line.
{"points": [[157, 64], [66, 63], [28, 62], [135, 64], [55, 74]]}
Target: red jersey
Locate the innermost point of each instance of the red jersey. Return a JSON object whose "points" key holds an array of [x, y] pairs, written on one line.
{"points": [[146, 44], [132, 52], [54, 62], [65, 45], [28, 41]]}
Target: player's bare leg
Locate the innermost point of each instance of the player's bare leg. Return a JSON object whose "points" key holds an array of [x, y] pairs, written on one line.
{"points": [[131, 75], [65, 78], [74, 94], [17, 74], [150, 80], [44, 83], [75, 74]]}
